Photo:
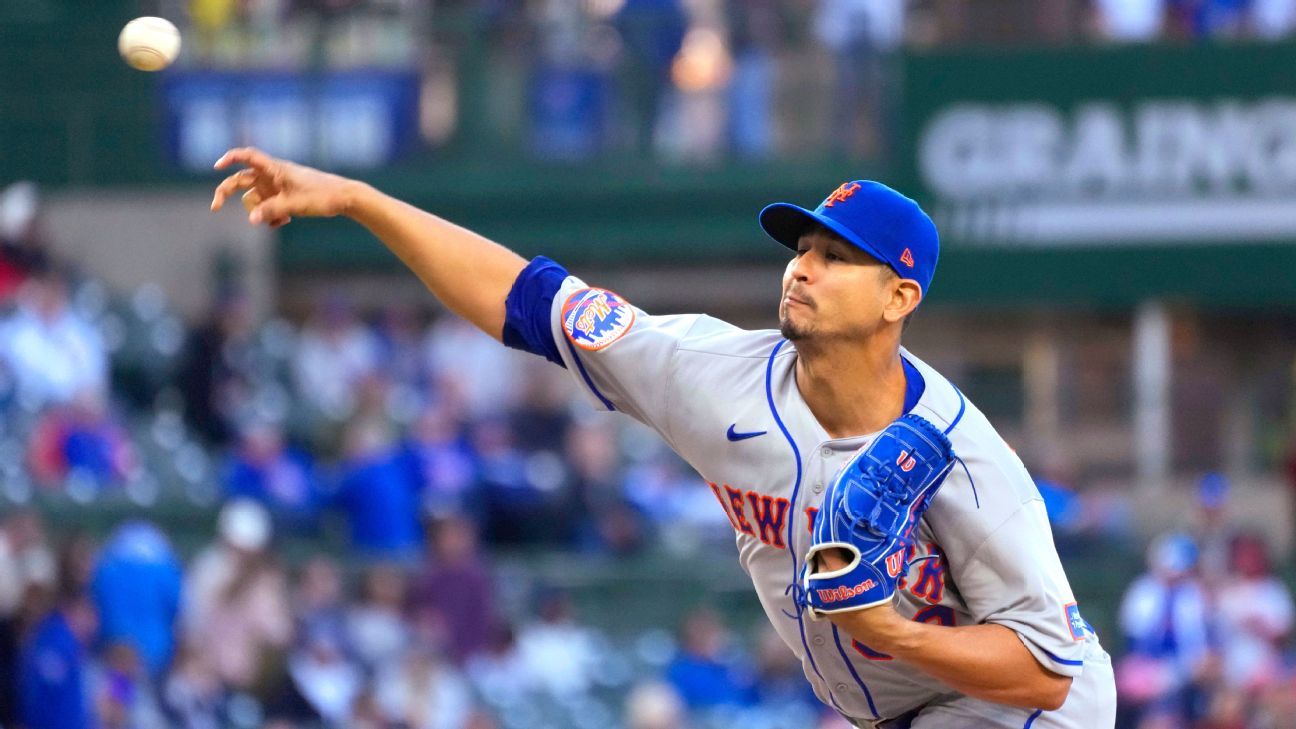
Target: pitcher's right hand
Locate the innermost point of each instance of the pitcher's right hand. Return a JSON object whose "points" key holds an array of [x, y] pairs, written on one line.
{"points": [[278, 189]]}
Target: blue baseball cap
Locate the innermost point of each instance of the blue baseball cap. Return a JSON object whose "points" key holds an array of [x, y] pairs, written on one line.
{"points": [[871, 216]]}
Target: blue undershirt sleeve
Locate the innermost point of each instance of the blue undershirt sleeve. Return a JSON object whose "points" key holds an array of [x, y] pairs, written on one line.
{"points": [[529, 307]]}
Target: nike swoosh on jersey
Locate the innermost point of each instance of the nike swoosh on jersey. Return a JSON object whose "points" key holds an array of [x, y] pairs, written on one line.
{"points": [[733, 435]]}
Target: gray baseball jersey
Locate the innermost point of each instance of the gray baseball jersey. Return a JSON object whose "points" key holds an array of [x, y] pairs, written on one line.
{"points": [[726, 400]]}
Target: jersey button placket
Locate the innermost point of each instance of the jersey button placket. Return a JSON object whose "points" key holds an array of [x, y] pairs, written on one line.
{"points": [[826, 453], [818, 640]]}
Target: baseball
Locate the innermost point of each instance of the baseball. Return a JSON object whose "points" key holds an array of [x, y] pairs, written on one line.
{"points": [[149, 44]]}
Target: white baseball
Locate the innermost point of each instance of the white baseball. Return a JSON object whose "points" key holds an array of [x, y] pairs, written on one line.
{"points": [[149, 44]]}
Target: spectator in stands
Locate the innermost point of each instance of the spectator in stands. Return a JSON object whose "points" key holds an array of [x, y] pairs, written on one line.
{"points": [[266, 469], [652, 32], [511, 502], [1066, 509], [675, 501], [318, 603], [376, 627], [54, 664], [27, 575], [136, 587], [81, 439], [654, 706], [15, 634], [121, 690], [26, 558], [236, 597], [334, 353], [1129, 21], [1255, 614], [210, 18], [441, 463], [77, 553], [540, 418], [594, 512], [557, 653], [779, 683], [1213, 532], [379, 408], [325, 679], [471, 373], [218, 375], [704, 670], [861, 35], [421, 691], [192, 696], [22, 245], [400, 347], [500, 671], [1165, 617], [755, 34], [374, 490], [457, 588], [53, 353]]}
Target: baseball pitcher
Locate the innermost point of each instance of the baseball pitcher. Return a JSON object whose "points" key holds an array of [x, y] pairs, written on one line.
{"points": [[895, 541]]}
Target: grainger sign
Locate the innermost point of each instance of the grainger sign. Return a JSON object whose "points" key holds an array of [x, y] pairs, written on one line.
{"points": [[1147, 159]]}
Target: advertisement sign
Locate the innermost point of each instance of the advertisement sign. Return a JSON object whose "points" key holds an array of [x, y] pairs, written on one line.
{"points": [[1106, 147], [351, 119]]}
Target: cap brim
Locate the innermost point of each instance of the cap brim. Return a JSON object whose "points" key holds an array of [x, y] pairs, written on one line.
{"points": [[786, 223]]}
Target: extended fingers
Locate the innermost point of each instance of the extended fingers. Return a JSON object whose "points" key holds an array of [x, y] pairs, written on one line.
{"points": [[250, 156], [240, 180]]}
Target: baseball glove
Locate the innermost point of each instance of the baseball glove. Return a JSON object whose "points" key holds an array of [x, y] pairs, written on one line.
{"points": [[870, 510]]}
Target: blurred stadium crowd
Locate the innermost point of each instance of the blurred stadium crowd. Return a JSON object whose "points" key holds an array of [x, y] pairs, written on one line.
{"points": [[122, 634], [681, 79], [1206, 629]]}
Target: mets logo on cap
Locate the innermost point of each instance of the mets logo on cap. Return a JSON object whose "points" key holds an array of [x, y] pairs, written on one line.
{"points": [[595, 318]]}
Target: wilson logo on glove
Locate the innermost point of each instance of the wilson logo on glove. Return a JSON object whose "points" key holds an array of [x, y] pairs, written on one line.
{"points": [[906, 465], [837, 594], [895, 563]]}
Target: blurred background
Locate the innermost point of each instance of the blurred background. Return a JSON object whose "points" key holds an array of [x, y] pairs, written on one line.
{"points": [[253, 478]]}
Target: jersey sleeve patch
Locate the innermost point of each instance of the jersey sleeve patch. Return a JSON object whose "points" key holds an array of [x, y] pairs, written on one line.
{"points": [[1075, 622], [595, 318]]}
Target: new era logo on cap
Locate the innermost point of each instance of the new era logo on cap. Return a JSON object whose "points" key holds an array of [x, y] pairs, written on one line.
{"points": [[907, 258]]}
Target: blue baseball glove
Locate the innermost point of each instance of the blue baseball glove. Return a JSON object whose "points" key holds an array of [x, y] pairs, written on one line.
{"points": [[870, 511]]}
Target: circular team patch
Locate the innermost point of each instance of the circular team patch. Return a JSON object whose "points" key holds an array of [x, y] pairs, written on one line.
{"points": [[595, 318]]}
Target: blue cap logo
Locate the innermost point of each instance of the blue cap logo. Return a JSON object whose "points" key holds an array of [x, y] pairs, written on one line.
{"points": [[871, 216]]}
